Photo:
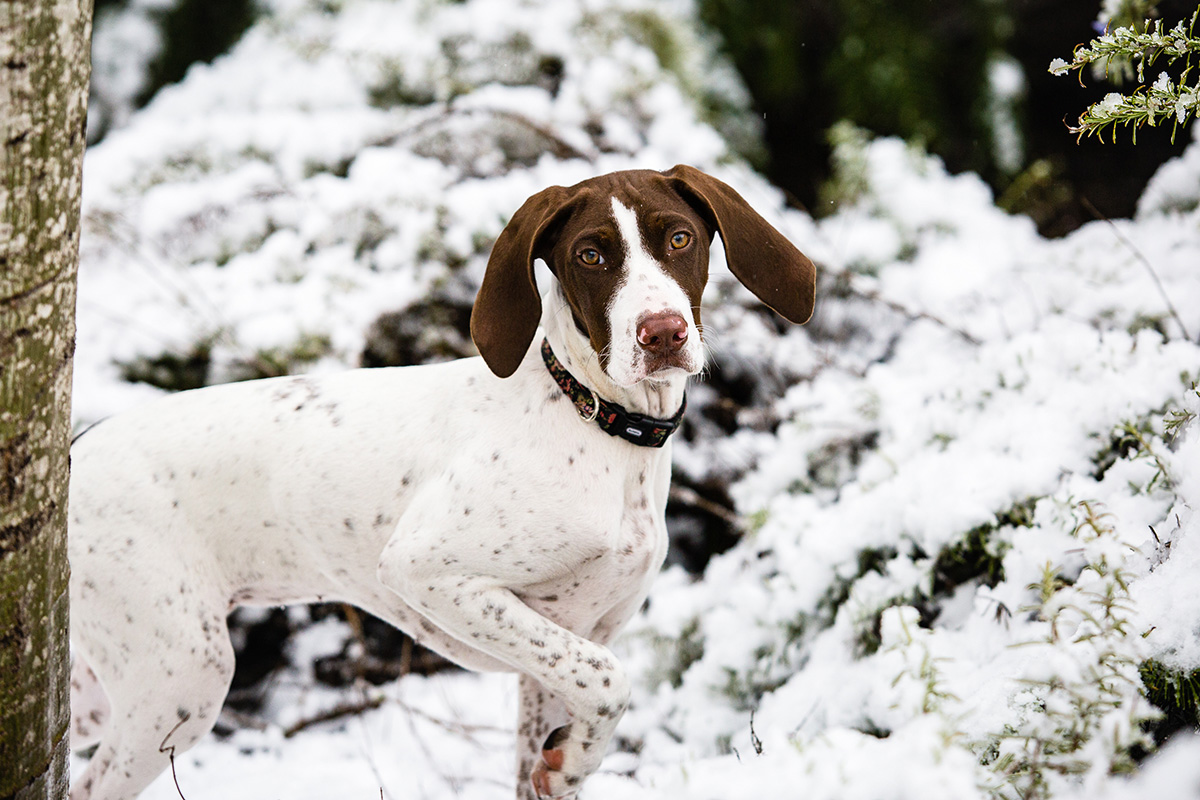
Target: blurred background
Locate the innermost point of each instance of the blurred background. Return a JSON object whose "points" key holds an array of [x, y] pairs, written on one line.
{"points": [[965, 79]]}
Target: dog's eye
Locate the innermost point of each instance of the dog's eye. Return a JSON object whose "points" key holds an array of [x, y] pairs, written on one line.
{"points": [[680, 240], [591, 257]]}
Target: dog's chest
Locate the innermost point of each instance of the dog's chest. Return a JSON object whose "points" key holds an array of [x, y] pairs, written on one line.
{"points": [[601, 591]]}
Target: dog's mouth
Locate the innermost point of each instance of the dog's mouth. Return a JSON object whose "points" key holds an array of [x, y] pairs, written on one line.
{"points": [[654, 368], [661, 367]]}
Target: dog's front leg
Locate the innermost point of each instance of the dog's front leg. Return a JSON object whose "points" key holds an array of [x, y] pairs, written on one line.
{"points": [[538, 714], [585, 676]]}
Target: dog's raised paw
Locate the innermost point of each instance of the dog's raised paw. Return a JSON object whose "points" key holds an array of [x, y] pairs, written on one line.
{"points": [[550, 782], [552, 752], [553, 784]]}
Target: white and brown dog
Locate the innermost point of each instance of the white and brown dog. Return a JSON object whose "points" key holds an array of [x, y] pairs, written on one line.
{"points": [[466, 503]]}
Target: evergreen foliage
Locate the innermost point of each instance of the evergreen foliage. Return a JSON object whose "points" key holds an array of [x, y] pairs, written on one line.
{"points": [[1133, 48]]}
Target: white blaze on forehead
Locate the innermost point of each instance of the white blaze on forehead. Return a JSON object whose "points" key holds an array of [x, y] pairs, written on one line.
{"points": [[645, 289], [631, 237], [645, 282]]}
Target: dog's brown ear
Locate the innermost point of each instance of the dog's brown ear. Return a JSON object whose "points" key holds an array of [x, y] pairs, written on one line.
{"points": [[507, 309], [761, 258]]}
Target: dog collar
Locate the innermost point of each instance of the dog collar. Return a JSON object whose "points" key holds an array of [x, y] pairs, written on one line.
{"points": [[613, 419]]}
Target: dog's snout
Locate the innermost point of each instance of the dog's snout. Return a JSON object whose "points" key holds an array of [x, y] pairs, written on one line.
{"points": [[662, 333]]}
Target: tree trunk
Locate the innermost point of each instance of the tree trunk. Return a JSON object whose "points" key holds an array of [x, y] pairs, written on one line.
{"points": [[44, 70]]}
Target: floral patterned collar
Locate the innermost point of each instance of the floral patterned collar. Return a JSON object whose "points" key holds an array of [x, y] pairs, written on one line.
{"points": [[612, 418]]}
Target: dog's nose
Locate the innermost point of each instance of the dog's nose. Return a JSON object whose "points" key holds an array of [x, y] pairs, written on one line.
{"points": [[662, 333]]}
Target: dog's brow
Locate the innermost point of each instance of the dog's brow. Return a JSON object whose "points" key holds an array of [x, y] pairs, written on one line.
{"points": [[599, 235], [629, 231], [661, 220]]}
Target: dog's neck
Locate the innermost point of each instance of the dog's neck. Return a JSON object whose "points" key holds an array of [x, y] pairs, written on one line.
{"points": [[654, 398]]}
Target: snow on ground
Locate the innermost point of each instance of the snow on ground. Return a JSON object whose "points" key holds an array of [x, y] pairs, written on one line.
{"points": [[968, 524]]}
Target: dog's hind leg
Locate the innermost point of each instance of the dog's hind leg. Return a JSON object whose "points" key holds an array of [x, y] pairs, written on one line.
{"points": [[90, 710], [165, 697]]}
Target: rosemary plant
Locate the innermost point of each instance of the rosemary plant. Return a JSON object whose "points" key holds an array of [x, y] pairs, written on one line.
{"points": [[1166, 99]]}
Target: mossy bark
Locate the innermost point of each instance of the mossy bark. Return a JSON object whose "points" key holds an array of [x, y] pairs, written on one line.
{"points": [[44, 70]]}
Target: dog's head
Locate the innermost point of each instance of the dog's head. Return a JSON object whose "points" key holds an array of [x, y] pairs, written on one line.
{"points": [[630, 251]]}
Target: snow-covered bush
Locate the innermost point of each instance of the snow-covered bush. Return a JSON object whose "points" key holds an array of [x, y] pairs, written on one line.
{"points": [[140, 45], [982, 567]]}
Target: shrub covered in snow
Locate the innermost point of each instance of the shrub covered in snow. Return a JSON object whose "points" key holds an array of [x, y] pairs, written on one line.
{"points": [[968, 490], [962, 537]]}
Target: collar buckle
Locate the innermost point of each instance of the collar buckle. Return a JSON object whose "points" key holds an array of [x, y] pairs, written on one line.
{"points": [[595, 412]]}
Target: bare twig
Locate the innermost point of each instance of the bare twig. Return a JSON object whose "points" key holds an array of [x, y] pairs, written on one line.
{"points": [[462, 729], [1144, 261], [689, 497], [909, 314], [561, 147], [169, 749], [337, 712]]}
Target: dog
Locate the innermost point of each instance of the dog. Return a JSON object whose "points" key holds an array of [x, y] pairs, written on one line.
{"points": [[505, 511]]}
